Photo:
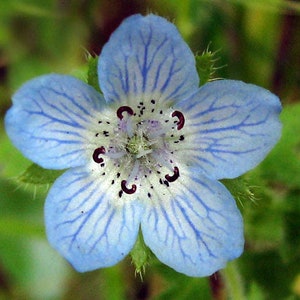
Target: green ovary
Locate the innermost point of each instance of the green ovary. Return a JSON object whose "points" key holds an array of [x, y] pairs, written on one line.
{"points": [[138, 146]]}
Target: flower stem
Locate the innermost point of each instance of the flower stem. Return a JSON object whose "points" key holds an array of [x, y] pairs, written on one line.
{"points": [[233, 282], [217, 286], [114, 287]]}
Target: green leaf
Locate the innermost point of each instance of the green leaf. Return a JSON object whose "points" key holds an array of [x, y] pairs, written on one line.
{"points": [[14, 226], [33, 10], [181, 287], [283, 163], [291, 224], [37, 175], [269, 5]]}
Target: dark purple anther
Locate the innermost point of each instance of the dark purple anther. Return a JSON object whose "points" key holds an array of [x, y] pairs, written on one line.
{"points": [[127, 190], [173, 177], [97, 153], [180, 117], [121, 109]]}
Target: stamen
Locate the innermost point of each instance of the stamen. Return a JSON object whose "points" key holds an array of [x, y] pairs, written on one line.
{"points": [[143, 152], [162, 159], [127, 190], [135, 171], [121, 109], [180, 117], [115, 155], [172, 178], [97, 153]]}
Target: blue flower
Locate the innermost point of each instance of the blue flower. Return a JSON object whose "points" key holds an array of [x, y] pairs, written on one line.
{"points": [[147, 154]]}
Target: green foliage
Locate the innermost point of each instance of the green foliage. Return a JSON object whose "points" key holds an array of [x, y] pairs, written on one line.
{"points": [[30, 268], [272, 221], [17, 226], [270, 5], [181, 287], [283, 164]]}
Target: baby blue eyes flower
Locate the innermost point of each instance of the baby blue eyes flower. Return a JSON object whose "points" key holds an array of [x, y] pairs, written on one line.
{"points": [[147, 154]]}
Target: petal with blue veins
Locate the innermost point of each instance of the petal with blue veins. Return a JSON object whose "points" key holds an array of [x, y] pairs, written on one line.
{"points": [[146, 58], [84, 223], [49, 119], [230, 126], [196, 227]]}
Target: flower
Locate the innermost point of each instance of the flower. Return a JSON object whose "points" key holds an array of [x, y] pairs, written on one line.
{"points": [[147, 154]]}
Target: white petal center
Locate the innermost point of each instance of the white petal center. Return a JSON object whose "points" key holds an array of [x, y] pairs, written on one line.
{"points": [[134, 149]]}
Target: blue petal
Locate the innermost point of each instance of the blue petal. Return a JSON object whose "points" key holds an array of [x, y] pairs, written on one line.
{"points": [[49, 119], [230, 127], [85, 226], [146, 58], [195, 229]]}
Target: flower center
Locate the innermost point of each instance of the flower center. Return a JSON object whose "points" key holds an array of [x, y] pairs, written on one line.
{"points": [[139, 145]]}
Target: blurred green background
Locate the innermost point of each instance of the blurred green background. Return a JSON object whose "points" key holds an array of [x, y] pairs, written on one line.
{"points": [[258, 41]]}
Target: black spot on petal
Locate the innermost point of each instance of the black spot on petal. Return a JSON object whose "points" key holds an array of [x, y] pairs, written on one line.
{"points": [[105, 133]]}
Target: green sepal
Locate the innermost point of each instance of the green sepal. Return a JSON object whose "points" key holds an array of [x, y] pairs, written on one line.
{"points": [[37, 175], [140, 255], [92, 73], [239, 189], [205, 64]]}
